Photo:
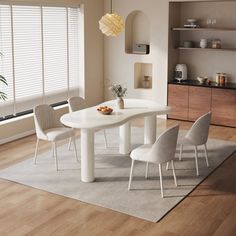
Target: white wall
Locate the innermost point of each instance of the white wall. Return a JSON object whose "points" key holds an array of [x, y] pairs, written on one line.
{"points": [[119, 66], [93, 53]]}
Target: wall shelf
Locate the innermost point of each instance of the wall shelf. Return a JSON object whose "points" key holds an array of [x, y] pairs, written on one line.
{"points": [[210, 49], [203, 61], [134, 53], [203, 29]]}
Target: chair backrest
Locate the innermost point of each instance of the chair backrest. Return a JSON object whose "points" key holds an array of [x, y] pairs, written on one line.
{"points": [[45, 118], [76, 103], [198, 133], [163, 150]]}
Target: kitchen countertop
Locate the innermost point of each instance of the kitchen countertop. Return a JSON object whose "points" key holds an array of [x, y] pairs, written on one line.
{"points": [[196, 83]]}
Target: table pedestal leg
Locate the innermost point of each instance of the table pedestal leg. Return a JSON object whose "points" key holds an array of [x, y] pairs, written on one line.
{"points": [[150, 129], [87, 155], [125, 142]]}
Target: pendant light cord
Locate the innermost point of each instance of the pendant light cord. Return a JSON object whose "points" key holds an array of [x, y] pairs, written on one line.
{"points": [[111, 6]]}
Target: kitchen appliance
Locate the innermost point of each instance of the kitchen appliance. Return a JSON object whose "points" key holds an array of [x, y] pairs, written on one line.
{"points": [[181, 72]]}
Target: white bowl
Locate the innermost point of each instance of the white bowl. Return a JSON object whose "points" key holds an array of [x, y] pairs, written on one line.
{"points": [[202, 80]]}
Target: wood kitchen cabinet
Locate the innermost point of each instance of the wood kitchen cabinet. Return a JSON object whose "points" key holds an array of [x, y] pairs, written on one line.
{"points": [[199, 102], [190, 102], [178, 101], [224, 107]]}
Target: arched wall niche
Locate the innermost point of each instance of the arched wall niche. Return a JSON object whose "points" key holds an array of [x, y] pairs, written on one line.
{"points": [[137, 30]]}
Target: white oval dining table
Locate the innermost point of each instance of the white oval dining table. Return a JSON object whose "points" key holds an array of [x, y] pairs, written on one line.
{"points": [[89, 120]]}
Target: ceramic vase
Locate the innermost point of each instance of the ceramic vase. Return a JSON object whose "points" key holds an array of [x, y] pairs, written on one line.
{"points": [[119, 103], [203, 43]]}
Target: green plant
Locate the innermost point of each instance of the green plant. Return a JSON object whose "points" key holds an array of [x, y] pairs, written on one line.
{"points": [[118, 91], [3, 95]]}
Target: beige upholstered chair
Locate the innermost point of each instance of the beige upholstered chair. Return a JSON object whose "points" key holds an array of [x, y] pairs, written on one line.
{"points": [[49, 128], [76, 104], [162, 151], [196, 136]]}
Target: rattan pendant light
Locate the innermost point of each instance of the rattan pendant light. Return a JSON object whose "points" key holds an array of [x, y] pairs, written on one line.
{"points": [[111, 24]]}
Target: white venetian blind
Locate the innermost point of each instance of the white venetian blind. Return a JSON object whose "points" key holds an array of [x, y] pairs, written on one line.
{"points": [[6, 59], [27, 56], [55, 52], [41, 56], [74, 47]]}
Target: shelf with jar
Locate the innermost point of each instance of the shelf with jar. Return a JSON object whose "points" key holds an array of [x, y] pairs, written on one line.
{"points": [[211, 49], [205, 44], [203, 40]]}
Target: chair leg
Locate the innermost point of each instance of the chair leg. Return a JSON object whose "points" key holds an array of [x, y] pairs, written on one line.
{"points": [[160, 174], [206, 155], [55, 154], [181, 151], [75, 149], [105, 138], [146, 174], [69, 145], [167, 166], [196, 160], [36, 151], [173, 169], [131, 174]]}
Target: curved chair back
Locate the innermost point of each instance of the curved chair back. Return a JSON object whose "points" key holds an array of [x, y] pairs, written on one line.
{"points": [[164, 148], [76, 104], [198, 134], [45, 118]]}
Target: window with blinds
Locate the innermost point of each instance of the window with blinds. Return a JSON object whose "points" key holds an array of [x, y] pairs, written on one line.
{"points": [[40, 59]]}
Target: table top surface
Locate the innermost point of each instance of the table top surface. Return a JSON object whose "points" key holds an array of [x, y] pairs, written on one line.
{"points": [[90, 118]]}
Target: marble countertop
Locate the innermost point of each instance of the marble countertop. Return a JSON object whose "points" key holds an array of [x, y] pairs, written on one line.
{"points": [[196, 83]]}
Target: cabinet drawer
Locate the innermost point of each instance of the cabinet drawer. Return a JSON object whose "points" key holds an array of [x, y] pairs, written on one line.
{"points": [[224, 107], [199, 102], [178, 101]]}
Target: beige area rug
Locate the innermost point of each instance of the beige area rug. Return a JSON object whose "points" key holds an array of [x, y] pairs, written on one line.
{"points": [[112, 173]]}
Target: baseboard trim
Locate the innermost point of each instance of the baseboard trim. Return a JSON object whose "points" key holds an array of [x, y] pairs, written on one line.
{"points": [[18, 136]]}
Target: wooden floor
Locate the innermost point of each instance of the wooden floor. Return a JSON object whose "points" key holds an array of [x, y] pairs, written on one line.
{"points": [[209, 210]]}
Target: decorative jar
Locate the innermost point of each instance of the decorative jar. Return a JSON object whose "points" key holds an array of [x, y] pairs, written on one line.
{"points": [[216, 43], [146, 83]]}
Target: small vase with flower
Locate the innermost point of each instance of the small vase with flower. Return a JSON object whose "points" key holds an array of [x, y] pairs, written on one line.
{"points": [[119, 92]]}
